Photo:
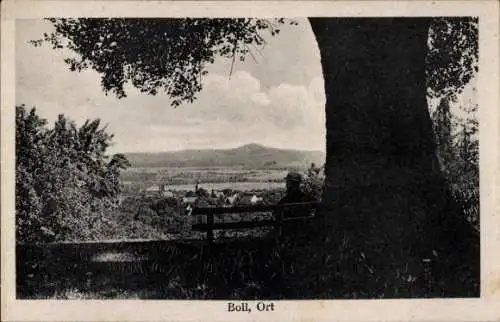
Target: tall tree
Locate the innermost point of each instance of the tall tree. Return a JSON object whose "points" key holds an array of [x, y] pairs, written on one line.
{"points": [[384, 194]]}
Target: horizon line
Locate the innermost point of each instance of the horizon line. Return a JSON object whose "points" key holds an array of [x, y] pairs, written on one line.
{"points": [[233, 148]]}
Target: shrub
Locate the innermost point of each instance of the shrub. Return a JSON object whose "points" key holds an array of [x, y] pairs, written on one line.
{"points": [[313, 181], [457, 143], [65, 184]]}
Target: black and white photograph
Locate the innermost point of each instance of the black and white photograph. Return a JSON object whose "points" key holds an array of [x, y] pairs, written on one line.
{"points": [[247, 159]]}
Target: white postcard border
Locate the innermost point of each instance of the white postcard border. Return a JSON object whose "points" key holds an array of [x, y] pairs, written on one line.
{"points": [[485, 308]]}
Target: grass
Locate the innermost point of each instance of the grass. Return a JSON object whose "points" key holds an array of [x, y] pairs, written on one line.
{"points": [[233, 270], [244, 270]]}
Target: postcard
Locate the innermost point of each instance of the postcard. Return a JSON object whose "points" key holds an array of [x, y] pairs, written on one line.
{"points": [[250, 161]]}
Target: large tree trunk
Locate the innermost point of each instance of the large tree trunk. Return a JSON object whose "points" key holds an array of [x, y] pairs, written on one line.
{"points": [[379, 135], [384, 195]]}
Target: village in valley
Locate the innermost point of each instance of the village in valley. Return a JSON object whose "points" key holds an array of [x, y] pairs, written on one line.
{"points": [[202, 197], [163, 204]]}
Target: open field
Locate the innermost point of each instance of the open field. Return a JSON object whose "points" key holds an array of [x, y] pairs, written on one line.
{"points": [[240, 186], [185, 175], [136, 179]]}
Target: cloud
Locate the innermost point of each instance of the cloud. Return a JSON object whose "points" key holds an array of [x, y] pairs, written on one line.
{"points": [[230, 111], [260, 99], [286, 115]]}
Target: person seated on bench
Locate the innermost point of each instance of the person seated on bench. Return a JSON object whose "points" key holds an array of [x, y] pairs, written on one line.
{"points": [[294, 194]]}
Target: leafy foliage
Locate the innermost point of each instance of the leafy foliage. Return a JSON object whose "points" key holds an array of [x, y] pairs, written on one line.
{"points": [[64, 182], [152, 54], [172, 54], [458, 152], [452, 58], [314, 179]]}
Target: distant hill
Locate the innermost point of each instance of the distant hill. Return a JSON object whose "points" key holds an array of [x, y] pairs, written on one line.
{"points": [[250, 155]]}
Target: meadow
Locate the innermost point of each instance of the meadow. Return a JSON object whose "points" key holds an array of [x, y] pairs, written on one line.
{"points": [[136, 179]]}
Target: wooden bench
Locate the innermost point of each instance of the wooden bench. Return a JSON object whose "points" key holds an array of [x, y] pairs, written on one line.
{"points": [[210, 212]]}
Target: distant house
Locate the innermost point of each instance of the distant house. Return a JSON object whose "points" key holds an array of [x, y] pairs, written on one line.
{"points": [[159, 190], [231, 200], [189, 200], [248, 199], [153, 190], [168, 194], [245, 200], [256, 200]]}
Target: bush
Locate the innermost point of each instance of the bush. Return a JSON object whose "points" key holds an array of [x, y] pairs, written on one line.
{"points": [[314, 179], [65, 184], [457, 143]]}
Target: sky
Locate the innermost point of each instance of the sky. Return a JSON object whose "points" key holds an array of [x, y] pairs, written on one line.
{"points": [[274, 99]]}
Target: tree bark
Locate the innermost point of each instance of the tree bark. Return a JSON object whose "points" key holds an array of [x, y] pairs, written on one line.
{"points": [[384, 197]]}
